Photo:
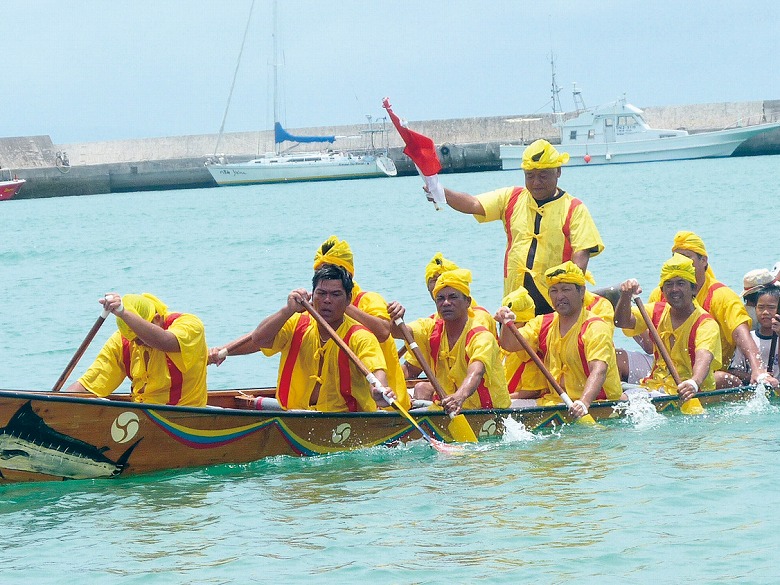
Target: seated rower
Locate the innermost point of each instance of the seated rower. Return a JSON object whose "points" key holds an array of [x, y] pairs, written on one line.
{"points": [[368, 309], [690, 334], [723, 304], [163, 353], [463, 355], [575, 345], [762, 293], [524, 379], [313, 371], [433, 270]]}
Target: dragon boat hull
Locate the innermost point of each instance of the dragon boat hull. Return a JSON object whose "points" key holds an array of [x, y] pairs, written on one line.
{"points": [[46, 436]]}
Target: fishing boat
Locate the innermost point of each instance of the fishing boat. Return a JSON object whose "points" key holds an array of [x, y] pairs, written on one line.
{"points": [[10, 187], [283, 166], [47, 436]]}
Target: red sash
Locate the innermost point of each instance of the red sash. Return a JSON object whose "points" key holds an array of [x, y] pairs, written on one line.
{"points": [[177, 378], [708, 299], [345, 377], [567, 249], [658, 310], [510, 208], [283, 392], [356, 300]]}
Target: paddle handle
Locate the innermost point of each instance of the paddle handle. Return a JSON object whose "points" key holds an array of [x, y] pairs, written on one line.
{"points": [[80, 352], [540, 364], [772, 354], [657, 340], [233, 345]]}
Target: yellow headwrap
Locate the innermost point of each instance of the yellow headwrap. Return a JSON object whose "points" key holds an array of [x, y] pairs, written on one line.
{"points": [[542, 155], [521, 303], [335, 251], [437, 265], [678, 266], [689, 241], [146, 306], [568, 272], [458, 279]]}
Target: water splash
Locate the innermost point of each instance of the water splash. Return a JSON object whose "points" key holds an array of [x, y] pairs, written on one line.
{"points": [[515, 432], [758, 403], [640, 412]]}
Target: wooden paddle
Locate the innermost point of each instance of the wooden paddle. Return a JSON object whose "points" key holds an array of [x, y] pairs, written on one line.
{"points": [[80, 352], [233, 346], [438, 445], [459, 427], [585, 419], [691, 406]]}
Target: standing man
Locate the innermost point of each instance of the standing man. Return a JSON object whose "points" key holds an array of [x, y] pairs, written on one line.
{"points": [[575, 344], [544, 225], [725, 307], [690, 334], [163, 354], [464, 356]]}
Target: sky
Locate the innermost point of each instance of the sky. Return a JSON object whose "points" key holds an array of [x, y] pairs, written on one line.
{"points": [[94, 70]]}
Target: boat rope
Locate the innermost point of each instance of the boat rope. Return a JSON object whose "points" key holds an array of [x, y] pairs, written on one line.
{"points": [[235, 75]]}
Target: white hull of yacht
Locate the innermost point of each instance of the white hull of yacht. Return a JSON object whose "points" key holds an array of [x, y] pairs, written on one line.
{"points": [[721, 143], [308, 167]]}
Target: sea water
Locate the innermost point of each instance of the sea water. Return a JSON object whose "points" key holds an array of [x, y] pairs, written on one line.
{"points": [[647, 498]]}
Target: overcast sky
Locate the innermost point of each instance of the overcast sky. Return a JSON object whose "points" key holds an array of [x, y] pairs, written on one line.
{"points": [[89, 70]]}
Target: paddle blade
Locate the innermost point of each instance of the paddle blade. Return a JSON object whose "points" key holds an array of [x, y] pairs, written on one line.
{"points": [[587, 420], [692, 406], [461, 430]]}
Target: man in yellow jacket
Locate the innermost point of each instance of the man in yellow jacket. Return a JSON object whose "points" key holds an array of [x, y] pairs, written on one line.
{"points": [[163, 354], [575, 344], [544, 225], [690, 335], [464, 356]]}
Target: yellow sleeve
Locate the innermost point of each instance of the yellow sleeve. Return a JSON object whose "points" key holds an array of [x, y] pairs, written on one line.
{"points": [[421, 329], [284, 337], [483, 347], [584, 234], [531, 331], [367, 348], [655, 295], [708, 337], [494, 203], [728, 309], [640, 326], [191, 334], [373, 304], [107, 372], [598, 342]]}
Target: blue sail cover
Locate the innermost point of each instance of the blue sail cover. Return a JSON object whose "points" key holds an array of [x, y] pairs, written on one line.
{"points": [[280, 135]]}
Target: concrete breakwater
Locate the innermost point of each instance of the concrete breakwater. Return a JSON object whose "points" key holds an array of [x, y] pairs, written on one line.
{"points": [[469, 144]]}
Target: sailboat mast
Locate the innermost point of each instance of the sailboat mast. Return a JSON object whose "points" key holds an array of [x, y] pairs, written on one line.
{"points": [[277, 147]]}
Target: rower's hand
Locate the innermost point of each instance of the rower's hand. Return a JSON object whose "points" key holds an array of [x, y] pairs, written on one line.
{"points": [[505, 315], [382, 396], [112, 302], [686, 390], [395, 310], [630, 287], [295, 298], [214, 356], [453, 403], [578, 408]]}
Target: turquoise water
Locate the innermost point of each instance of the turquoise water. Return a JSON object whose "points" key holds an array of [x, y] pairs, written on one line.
{"points": [[645, 498]]}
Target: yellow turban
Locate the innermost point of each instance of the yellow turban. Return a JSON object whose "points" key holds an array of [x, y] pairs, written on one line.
{"points": [[568, 272], [145, 305], [437, 265], [689, 241], [335, 251], [521, 304], [542, 155], [678, 266], [459, 279]]}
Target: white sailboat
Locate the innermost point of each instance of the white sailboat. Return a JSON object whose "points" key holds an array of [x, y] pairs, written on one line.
{"points": [[282, 166]]}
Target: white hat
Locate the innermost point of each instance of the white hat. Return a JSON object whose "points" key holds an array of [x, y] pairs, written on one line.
{"points": [[776, 271], [756, 279]]}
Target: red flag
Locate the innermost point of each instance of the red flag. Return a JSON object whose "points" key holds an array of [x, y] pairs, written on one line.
{"points": [[419, 148]]}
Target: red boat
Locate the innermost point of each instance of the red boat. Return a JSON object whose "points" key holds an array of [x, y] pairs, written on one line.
{"points": [[9, 188]]}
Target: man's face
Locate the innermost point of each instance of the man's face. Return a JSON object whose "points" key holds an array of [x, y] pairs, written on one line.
{"points": [[699, 262], [452, 304], [678, 292], [542, 183], [566, 298], [331, 300]]}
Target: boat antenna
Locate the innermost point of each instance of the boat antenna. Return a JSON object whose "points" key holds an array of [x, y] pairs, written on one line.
{"points": [[277, 147], [235, 74], [579, 103], [556, 99]]}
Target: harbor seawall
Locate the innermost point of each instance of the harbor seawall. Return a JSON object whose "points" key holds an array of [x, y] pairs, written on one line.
{"points": [[468, 144]]}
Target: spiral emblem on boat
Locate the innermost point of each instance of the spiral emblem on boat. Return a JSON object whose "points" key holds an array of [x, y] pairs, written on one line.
{"points": [[125, 427], [341, 433], [488, 429]]}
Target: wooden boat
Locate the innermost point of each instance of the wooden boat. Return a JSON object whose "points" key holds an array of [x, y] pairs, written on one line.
{"points": [[48, 436]]}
